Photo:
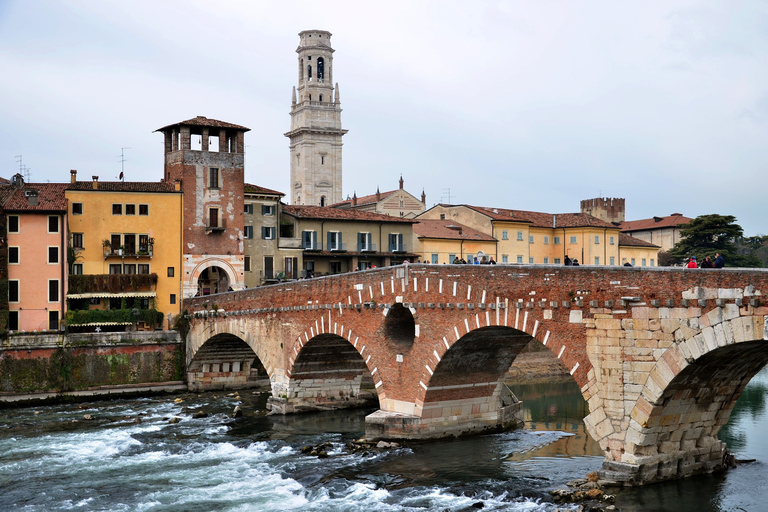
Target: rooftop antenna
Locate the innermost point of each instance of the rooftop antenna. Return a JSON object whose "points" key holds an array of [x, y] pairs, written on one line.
{"points": [[122, 164], [24, 170], [448, 192]]}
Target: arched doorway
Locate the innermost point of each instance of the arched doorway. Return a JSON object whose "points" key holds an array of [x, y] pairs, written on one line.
{"points": [[213, 280]]}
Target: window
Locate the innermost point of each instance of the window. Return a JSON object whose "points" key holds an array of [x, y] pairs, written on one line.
{"points": [[13, 223], [557, 261], [546, 240], [451, 258], [290, 267], [364, 242], [13, 290], [77, 268], [573, 240], [248, 231], [322, 200], [530, 260], [504, 258], [597, 239], [557, 240], [519, 258], [53, 255], [117, 209], [53, 290], [268, 209], [13, 320], [213, 218], [597, 260], [612, 260], [129, 268], [309, 240], [632, 261], [611, 241], [53, 320], [519, 236], [652, 262], [213, 177], [530, 239], [129, 244], [334, 241], [248, 208], [130, 209], [143, 244], [643, 262], [143, 268], [173, 298], [143, 209], [77, 240], [268, 232], [505, 235], [435, 258], [53, 224], [115, 268], [546, 260], [396, 242], [13, 255], [115, 242], [247, 264], [442, 216], [77, 208], [170, 271]]}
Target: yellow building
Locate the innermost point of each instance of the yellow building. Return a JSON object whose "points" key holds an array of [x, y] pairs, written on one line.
{"points": [[128, 232], [444, 241], [544, 238]]}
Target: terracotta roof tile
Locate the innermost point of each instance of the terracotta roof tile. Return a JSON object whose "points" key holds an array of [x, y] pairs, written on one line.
{"points": [[123, 186], [669, 221], [256, 189], [363, 200], [630, 241], [448, 230], [204, 121], [328, 213], [50, 198], [543, 220]]}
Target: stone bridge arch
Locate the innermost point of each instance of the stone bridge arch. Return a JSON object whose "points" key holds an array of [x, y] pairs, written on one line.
{"points": [[222, 361]]}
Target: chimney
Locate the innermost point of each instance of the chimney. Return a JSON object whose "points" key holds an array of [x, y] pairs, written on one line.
{"points": [[378, 194], [95, 182], [177, 185], [73, 176], [354, 199]]}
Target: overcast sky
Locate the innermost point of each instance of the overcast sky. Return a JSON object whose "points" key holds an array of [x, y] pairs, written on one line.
{"points": [[526, 105]]}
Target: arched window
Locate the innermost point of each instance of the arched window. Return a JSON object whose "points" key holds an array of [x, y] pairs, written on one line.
{"points": [[321, 98], [322, 200], [309, 73], [320, 69]]}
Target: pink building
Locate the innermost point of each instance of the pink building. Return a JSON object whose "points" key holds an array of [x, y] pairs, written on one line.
{"points": [[36, 221]]}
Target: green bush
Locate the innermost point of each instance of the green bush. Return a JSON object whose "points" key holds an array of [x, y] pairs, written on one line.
{"points": [[151, 317]]}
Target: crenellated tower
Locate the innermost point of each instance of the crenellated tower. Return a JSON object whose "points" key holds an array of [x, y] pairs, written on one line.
{"points": [[315, 125]]}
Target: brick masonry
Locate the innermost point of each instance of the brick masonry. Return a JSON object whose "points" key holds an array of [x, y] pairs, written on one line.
{"points": [[660, 355]]}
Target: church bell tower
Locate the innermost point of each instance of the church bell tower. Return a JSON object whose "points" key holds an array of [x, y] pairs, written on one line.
{"points": [[315, 125]]}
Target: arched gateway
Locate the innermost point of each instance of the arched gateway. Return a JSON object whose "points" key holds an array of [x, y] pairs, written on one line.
{"points": [[660, 355]]}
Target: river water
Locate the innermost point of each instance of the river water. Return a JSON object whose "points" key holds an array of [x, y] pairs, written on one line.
{"points": [[128, 456]]}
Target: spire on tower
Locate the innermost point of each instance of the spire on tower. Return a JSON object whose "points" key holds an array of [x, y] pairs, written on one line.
{"points": [[336, 94], [293, 98], [401, 182]]}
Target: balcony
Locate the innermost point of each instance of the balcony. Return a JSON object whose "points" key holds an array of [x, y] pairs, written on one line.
{"points": [[312, 246], [215, 226], [367, 248], [289, 243], [128, 253], [337, 247]]}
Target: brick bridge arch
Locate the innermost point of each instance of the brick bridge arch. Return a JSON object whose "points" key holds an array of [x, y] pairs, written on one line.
{"points": [[636, 341]]}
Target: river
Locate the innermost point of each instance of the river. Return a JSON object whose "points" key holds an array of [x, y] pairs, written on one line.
{"points": [[129, 457]]}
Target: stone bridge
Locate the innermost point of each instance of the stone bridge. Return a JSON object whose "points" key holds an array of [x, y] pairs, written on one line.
{"points": [[660, 355]]}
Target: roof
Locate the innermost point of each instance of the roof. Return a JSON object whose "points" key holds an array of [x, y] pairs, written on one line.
{"points": [[448, 230], [205, 122], [543, 220], [670, 221], [328, 213], [361, 201], [255, 189], [50, 198], [123, 186], [630, 241]]}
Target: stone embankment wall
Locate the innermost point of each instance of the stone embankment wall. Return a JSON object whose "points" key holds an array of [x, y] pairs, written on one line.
{"points": [[43, 363]]}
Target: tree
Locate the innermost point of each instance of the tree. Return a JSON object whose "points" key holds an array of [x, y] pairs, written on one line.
{"points": [[707, 234]]}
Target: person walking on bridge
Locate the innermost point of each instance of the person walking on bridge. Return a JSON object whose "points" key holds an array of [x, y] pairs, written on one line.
{"points": [[692, 262], [719, 260]]}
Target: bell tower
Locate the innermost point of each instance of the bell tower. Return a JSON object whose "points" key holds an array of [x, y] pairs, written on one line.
{"points": [[315, 125]]}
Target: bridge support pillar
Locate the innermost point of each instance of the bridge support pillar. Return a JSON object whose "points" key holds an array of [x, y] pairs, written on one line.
{"points": [[395, 425]]}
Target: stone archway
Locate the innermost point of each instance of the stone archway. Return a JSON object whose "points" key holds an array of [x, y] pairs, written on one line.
{"points": [[204, 281]]}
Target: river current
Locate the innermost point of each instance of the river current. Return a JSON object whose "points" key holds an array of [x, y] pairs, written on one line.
{"points": [[129, 457]]}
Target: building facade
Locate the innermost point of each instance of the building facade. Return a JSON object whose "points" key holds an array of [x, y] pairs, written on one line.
{"points": [[445, 241], [129, 231], [396, 203], [316, 132], [661, 231], [36, 225], [207, 158]]}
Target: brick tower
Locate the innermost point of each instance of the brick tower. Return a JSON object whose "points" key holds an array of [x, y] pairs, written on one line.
{"points": [[207, 157], [315, 125]]}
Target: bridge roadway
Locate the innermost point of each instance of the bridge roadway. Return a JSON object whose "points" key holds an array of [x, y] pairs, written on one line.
{"points": [[660, 355]]}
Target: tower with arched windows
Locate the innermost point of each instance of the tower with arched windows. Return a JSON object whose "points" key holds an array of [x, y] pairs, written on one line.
{"points": [[315, 125]]}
